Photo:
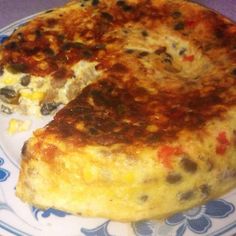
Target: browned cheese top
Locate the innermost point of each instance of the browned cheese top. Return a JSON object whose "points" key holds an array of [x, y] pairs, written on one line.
{"points": [[166, 66]]}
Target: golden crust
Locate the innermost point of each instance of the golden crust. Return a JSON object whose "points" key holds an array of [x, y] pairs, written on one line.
{"points": [[160, 118], [66, 35]]}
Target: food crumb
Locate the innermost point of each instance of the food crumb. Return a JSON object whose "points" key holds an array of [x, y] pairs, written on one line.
{"points": [[16, 126]]}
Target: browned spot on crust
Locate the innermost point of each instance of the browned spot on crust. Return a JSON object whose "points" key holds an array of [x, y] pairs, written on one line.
{"points": [[117, 116]]}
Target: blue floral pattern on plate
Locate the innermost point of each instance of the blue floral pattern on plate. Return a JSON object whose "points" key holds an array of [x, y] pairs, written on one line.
{"points": [[198, 219], [3, 37], [101, 230], [4, 174], [47, 213], [143, 228]]}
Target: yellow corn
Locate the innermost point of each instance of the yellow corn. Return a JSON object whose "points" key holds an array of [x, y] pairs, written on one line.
{"points": [[9, 80], [16, 126], [129, 177], [152, 128], [34, 96]]}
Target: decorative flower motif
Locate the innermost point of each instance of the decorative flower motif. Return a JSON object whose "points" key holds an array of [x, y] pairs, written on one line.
{"points": [[143, 228], [48, 212], [101, 230], [198, 219], [3, 38], [4, 174]]}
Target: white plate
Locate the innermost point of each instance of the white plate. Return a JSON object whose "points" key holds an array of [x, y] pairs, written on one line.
{"points": [[16, 218]]}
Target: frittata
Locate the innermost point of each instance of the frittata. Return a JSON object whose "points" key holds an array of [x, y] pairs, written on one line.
{"points": [[149, 125]]}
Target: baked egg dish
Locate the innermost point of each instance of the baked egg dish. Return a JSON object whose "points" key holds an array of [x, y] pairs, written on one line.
{"points": [[143, 99]]}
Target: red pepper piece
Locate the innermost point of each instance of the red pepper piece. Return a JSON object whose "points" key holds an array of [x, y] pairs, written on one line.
{"points": [[189, 58], [166, 153], [222, 143], [221, 149], [222, 138], [190, 23]]}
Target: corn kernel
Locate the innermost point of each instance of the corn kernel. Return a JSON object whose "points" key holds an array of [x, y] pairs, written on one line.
{"points": [[80, 126], [9, 81], [90, 174], [16, 126], [129, 178], [39, 56], [34, 96], [31, 37], [152, 128], [43, 65]]}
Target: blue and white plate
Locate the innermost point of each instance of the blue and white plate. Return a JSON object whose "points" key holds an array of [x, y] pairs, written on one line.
{"points": [[217, 217]]}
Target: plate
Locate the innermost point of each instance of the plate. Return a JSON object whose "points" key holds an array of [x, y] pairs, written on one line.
{"points": [[216, 218]]}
